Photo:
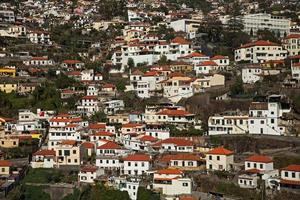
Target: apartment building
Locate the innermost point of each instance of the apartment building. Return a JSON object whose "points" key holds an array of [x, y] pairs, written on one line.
{"points": [[263, 21], [259, 52], [292, 44], [136, 164]]}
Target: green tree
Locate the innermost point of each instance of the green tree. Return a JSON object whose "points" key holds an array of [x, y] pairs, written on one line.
{"points": [[237, 88], [130, 63], [99, 117], [267, 35], [121, 85], [163, 60], [145, 194]]}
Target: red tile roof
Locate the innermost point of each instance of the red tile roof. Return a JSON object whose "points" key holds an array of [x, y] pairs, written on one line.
{"points": [[104, 133], [137, 72], [253, 171], [89, 97], [88, 168], [217, 57], [259, 43], [190, 157], [109, 145], [194, 54], [260, 159], [169, 171], [108, 85], [148, 138], [293, 36], [220, 151], [187, 198], [295, 168], [97, 126], [289, 182], [45, 152], [71, 62], [68, 142], [131, 125], [137, 157], [180, 40], [5, 163], [174, 112], [151, 73], [208, 63], [177, 142], [88, 145]]}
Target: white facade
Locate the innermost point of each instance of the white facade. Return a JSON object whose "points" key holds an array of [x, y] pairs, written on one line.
{"points": [[295, 67], [248, 181], [158, 132], [219, 159], [108, 162], [136, 164], [228, 124], [39, 37], [39, 61], [292, 44], [87, 75], [111, 107], [262, 21], [251, 75], [259, 52]]}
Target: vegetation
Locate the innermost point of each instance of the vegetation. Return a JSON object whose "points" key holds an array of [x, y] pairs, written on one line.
{"points": [[191, 131], [145, 194]]}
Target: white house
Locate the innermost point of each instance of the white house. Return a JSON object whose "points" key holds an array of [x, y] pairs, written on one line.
{"points": [[292, 44], [175, 145], [89, 105], [251, 74], [259, 162], [131, 186], [158, 131], [87, 75], [88, 174], [39, 37], [136, 164], [265, 117], [259, 52], [171, 182], [295, 67], [39, 61], [108, 162], [248, 181], [219, 159], [290, 177], [43, 159], [228, 123], [111, 107]]}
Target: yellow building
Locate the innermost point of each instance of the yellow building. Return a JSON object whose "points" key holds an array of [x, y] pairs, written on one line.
{"points": [[68, 153], [8, 87], [9, 142], [7, 72], [5, 167]]}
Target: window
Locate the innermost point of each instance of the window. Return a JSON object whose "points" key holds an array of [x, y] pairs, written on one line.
{"points": [[74, 151], [185, 184], [251, 121], [69, 160], [248, 164], [75, 160], [261, 166], [3, 169], [210, 157], [241, 181], [293, 175], [67, 152], [254, 165], [129, 164], [272, 121], [286, 174], [218, 157]]}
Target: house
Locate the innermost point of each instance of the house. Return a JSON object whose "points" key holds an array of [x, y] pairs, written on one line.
{"points": [[88, 174], [259, 162], [175, 145], [228, 123], [109, 148], [39, 61], [184, 161], [9, 142], [111, 107], [26, 88], [109, 162], [249, 181], [101, 135], [194, 58], [39, 37], [136, 164], [221, 61], [5, 167], [259, 52], [133, 128], [219, 159], [8, 87], [254, 73], [89, 105], [295, 67], [87, 75], [72, 64], [292, 44], [43, 159], [130, 185], [158, 131], [290, 177], [88, 148], [118, 118], [171, 182], [265, 117], [206, 67], [68, 154], [175, 116]]}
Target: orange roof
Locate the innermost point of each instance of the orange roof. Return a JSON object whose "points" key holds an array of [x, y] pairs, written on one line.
{"points": [[88, 145], [187, 198], [295, 168], [71, 125], [88, 168], [258, 106], [174, 112], [74, 73], [220, 151], [71, 62], [109, 145], [208, 63], [108, 85], [217, 57], [44, 152], [54, 119], [104, 133], [177, 141], [194, 54], [260, 159], [148, 138], [253, 171], [68, 142], [293, 36], [151, 73], [180, 40], [89, 97], [97, 126], [259, 43], [185, 157], [176, 74], [131, 125], [137, 72], [169, 171], [137, 157], [289, 182], [39, 58], [5, 163]]}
